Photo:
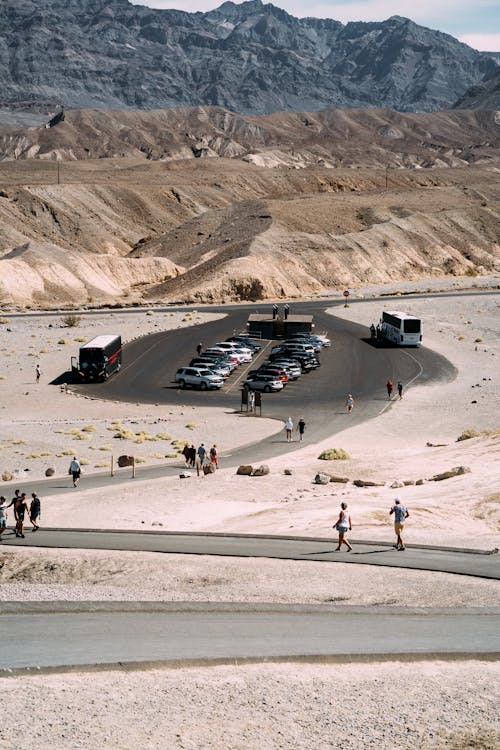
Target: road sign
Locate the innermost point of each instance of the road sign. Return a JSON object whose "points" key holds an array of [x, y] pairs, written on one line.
{"points": [[346, 293]]}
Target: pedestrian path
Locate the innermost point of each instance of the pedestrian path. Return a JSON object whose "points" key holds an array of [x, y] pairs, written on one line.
{"points": [[480, 563]]}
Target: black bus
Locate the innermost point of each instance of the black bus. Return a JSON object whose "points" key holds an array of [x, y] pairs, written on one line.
{"points": [[99, 358]]}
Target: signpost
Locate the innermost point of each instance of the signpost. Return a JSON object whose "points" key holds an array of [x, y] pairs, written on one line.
{"points": [[346, 294]]}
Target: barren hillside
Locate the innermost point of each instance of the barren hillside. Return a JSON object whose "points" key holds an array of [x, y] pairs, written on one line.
{"points": [[332, 138], [126, 230]]}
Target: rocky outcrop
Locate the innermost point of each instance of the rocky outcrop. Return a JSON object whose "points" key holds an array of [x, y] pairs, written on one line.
{"points": [[250, 57], [484, 95]]}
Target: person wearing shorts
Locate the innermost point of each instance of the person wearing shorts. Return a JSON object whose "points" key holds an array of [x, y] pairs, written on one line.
{"points": [[75, 470], [400, 513], [301, 427], [343, 525], [35, 511], [3, 515], [20, 508], [288, 429]]}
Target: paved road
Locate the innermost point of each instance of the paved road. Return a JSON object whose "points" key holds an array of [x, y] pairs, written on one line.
{"points": [[443, 559], [146, 634]]}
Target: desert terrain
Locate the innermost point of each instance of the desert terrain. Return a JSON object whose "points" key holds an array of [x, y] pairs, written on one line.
{"points": [[429, 705], [201, 205]]}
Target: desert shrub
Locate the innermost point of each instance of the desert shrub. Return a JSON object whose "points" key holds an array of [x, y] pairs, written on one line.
{"points": [[124, 434], [334, 454], [33, 455], [7, 476], [190, 426], [84, 462], [104, 448], [478, 340], [171, 455], [62, 341], [71, 321], [17, 441], [468, 434], [45, 453], [163, 436], [89, 428], [102, 464], [471, 271], [68, 453], [140, 460], [156, 455]]}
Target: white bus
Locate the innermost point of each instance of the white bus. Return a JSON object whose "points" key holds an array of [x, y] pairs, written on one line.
{"points": [[401, 329]]}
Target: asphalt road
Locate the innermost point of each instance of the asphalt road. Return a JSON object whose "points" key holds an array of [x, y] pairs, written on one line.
{"points": [[447, 560], [147, 634]]}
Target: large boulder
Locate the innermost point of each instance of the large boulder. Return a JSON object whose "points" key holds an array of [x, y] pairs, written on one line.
{"points": [[261, 471], [245, 470], [322, 478], [455, 472], [340, 480]]}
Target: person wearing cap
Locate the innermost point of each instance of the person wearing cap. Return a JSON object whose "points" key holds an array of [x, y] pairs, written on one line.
{"points": [[400, 513]]}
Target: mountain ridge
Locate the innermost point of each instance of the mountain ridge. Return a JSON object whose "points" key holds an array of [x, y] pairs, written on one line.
{"points": [[252, 58]]}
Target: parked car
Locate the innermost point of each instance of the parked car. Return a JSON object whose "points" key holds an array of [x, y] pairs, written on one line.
{"points": [[232, 346], [291, 367], [246, 341], [220, 368], [310, 338], [266, 383], [230, 358], [306, 361], [278, 372], [198, 377]]}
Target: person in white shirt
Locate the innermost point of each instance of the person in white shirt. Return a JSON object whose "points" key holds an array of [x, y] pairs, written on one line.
{"points": [[75, 470], [288, 429]]}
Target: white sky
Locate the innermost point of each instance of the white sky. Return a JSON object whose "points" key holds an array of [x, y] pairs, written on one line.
{"points": [[475, 22]]}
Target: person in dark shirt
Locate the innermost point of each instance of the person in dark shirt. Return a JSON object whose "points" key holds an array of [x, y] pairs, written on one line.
{"points": [[35, 511]]}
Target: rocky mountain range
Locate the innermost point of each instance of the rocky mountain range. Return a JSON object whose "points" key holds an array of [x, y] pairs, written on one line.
{"points": [[251, 58]]}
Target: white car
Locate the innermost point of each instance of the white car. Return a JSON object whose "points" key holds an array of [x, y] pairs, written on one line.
{"points": [[198, 377], [266, 383]]}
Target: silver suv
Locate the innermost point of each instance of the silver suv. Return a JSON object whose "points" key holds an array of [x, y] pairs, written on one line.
{"points": [[198, 377]]}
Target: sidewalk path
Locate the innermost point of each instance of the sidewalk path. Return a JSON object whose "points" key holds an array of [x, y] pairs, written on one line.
{"points": [[478, 563]]}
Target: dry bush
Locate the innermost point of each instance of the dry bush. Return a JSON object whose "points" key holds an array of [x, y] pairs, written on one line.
{"points": [[71, 321], [334, 454], [7, 476], [191, 426], [468, 434]]}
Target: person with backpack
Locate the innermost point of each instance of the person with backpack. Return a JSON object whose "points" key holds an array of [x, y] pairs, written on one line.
{"points": [[214, 459]]}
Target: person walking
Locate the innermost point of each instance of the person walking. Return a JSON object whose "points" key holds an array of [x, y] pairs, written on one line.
{"points": [[400, 390], [192, 456], [35, 511], [199, 348], [349, 402], [389, 385], [343, 525], [3, 515], [20, 508], [38, 372], [400, 513], [214, 459], [75, 470], [200, 457], [185, 453], [288, 429], [14, 503], [251, 400], [301, 427]]}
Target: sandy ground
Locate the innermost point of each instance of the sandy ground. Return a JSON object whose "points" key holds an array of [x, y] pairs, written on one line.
{"points": [[431, 705]]}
